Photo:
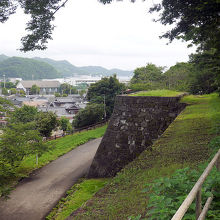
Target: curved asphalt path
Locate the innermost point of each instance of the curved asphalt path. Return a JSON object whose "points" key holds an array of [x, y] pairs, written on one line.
{"points": [[36, 195]]}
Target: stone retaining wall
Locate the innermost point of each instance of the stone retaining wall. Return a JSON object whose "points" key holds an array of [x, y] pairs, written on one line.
{"points": [[135, 123]]}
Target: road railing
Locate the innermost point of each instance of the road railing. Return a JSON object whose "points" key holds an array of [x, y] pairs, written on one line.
{"points": [[86, 128]]}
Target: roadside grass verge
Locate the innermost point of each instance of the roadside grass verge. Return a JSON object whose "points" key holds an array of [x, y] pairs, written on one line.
{"points": [[76, 197], [161, 93], [58, 148], [183, 144]]}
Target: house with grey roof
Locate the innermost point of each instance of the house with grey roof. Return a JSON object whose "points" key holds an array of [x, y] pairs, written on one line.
{"points": [[46, 87]]}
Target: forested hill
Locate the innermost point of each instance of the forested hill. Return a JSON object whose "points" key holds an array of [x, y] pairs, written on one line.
{"points": [[67, 69], [3, 57], [64, 67], [40, 68], [26, 68]]}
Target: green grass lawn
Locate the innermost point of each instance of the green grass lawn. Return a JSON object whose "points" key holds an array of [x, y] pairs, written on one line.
{"points": [[59, 147], [161, 93], [76, 197], [183, 144]]}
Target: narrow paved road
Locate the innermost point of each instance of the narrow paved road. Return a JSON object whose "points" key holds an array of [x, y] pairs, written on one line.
{"points": [[36, 195]]}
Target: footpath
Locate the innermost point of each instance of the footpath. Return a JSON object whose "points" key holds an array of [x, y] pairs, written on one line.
{"points": [[36, 195]]}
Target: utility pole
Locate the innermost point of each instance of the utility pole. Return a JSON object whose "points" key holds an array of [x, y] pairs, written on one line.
{"points": [[4, 80], [104, 108]]}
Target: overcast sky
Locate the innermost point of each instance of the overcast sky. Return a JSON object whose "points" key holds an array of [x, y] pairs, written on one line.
{"points": [[120, 35]]}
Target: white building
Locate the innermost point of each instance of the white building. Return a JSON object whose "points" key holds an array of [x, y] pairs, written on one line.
{"points": [[46, 87]]}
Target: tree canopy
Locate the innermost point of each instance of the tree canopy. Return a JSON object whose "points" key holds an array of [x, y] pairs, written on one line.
{"points": [[104, 92], [90, 115], [147, 74]]}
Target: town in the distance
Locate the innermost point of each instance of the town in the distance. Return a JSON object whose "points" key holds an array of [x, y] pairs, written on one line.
{"points": [[49, 85]]}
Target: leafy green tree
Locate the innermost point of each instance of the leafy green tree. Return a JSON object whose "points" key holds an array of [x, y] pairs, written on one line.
{"points": [[91, 114], [13, 91], [35, 90], [196, 21], [178, 77], [24, 114], [5, 91], [150, 73], [46, 122], [39, 27], [205, 77], [18, 141], [5, 105], [66, 88], [8, 85], [57, 94], [21, 92], [65, 124], [82, 92], [105, 91]]}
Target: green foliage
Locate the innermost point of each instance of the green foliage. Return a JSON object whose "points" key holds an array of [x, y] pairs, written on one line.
{"points": [[178, 77], [75, 197], [35, 90], [149, 74], [24, 114], [17, 142], [66, 88], [147, 78], [183, 144], [13, 91], [57, 94], [22, 92], [167, 194], [82, 92], [91, 114], [8, 85], [27, 69], [65, 124], [55, 148], [105, 90], [195, 21], [46, 122], [205, 76], [5, 105], [5, 91]]}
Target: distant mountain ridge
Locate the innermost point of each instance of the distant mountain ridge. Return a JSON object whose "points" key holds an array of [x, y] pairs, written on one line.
{"points": [[26, 68], [41, 68], [66, 69], [3, 57]]}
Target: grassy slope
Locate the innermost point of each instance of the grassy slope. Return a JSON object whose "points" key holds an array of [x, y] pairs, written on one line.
{"points": [[59, 147], [183, 144], [161, 93], [76, 197]]}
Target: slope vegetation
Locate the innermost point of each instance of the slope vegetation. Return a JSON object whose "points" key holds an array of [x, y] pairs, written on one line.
{"points": [[183, 144]]}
